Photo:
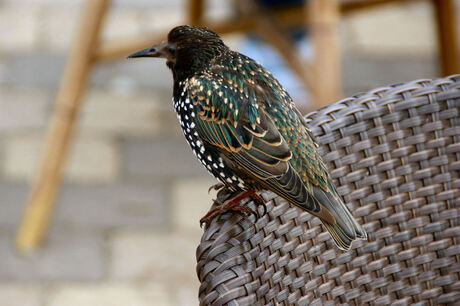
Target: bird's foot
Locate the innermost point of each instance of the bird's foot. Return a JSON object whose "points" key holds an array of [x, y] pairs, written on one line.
{"points": [[260, 201], [216, 187], [232, 205]]}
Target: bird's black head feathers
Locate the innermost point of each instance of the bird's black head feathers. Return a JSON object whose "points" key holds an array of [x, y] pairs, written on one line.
{"points": [[195, 48], [187, 51]]}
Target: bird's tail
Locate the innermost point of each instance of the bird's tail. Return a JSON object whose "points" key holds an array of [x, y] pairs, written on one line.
{"points": [[345, 229]]}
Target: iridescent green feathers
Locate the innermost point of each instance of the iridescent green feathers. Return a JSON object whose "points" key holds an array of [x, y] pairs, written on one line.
{"points": [[244, 111], [238, 102]]}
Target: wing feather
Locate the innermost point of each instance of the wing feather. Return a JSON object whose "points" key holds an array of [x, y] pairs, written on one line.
{"points": [[249, 138]]}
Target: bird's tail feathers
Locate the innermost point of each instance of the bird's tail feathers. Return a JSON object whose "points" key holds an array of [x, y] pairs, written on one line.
{"points": [[346, 228]]}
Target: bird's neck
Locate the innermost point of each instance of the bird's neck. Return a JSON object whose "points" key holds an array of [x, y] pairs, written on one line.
{"points": [[178, 88], [193, 60], [181, 75]]}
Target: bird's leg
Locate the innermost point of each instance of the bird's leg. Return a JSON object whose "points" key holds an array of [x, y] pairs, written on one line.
{"points": [[232, 204], [216, 187], [259, 200]]}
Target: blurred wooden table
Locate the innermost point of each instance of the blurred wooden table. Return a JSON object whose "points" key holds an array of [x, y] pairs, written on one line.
{"points": [[321, 76]]}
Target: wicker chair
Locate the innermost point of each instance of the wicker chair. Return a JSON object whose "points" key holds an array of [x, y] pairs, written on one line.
{"points": [[394, 153]]}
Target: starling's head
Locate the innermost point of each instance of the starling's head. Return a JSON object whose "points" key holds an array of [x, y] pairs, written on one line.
{"points": [[188, 50]]}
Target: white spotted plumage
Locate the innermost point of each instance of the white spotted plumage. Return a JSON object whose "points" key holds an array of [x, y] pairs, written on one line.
{"points": [[211, 159]]}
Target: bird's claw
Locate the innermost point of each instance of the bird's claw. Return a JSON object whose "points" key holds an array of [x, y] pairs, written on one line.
{"points": [[224, 207], [216, 187], [260, 201], [232, 205]]}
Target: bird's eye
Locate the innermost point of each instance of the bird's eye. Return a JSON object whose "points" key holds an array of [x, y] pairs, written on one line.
{"points": [[171, 50]]}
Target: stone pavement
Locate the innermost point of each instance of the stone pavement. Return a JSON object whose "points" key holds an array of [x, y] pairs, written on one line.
{"points": [[125, 228]]}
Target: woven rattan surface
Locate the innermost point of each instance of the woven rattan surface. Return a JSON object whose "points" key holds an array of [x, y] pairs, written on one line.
{"points": [[394, 154]]}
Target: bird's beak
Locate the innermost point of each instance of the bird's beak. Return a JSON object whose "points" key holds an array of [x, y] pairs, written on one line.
{"points": [[164, 49]]}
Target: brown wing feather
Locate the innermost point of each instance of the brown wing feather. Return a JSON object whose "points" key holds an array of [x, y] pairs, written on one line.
{"points": [[255, 146]]}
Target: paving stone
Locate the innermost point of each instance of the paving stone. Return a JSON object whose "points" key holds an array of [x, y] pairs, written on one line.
{"points": [[111, 206], [22, 109], [12, 204], [190, 202], [162, 19], [89, 160], [143, 73], [64, 256], [121, 114], [121, 22], [20, 157], [2, 70], [57, 29], [167, 257], [18, 294], [93, 160], [97, 294], [20, 31], [163, 158], [393, 29], [44, 70], [38, 69]]}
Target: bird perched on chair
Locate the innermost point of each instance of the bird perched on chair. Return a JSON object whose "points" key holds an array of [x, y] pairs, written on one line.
{"points": [[244, 128]]}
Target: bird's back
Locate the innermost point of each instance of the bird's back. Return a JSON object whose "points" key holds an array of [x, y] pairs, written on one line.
{"points": [[279, 106]]}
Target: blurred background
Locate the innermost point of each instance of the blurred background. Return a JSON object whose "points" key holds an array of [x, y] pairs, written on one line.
{"points": [[125, 226]]}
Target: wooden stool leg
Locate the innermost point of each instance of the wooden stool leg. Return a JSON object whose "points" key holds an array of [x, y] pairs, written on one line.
{"points": [[447, 36], [73, 83], [195, 12], [323, 18]]}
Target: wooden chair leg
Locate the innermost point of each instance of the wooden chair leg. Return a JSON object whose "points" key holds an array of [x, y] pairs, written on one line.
{"points": [[447, 36], [195, 12], [73, 83], [323, 18]]}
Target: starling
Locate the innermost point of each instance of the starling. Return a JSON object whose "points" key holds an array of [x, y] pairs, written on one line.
{"points": [[244, 128]]}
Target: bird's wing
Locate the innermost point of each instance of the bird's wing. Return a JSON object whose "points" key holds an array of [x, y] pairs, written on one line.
{"points": [[228, 116]]}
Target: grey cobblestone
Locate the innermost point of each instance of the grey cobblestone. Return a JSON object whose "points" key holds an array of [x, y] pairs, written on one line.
{"points": [[109, 293], [124, 113], [111, 206], [40, 69], [141, 73], [163, 158], [163, 257], [56, 26], [99, 206], [19, 294], [66, 255], [23, 109], [20, 30], [90, 159], [13, 197], [33, 70]]}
